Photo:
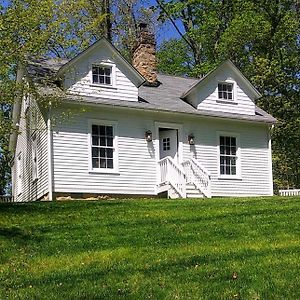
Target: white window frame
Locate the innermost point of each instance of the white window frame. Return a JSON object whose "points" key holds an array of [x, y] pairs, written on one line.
{"points": [[113, 74], [34, 157], [234, 92], [238, 155], [19, 174], [115, 169]]}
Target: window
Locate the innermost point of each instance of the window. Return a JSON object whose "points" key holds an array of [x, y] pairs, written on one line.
{"points": [[166, 144], [34, 158], [102, 75], [225, 91], [103, 147], [19, 174], [228, 155]]}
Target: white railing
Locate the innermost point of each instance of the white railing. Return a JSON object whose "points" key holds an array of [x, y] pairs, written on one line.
{"points": [[289, 192], [172, 173], [198, 175], [6, 199]]}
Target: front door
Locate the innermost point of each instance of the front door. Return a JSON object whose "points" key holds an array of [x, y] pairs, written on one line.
{"points": [[168, 143]]}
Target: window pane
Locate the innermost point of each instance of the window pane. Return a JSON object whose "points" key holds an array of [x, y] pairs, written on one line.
{"points": [[107, 80], [102, 152], [233, 151], [227, 141], [222, 170], [109, 153], [95, 152], [95, 79], [233, 170], [227, 150], [95, 70], [109, 131], [222, 160], [107, 71], [94, 129], [102, 163], [222, 149], [110, 164], [95, 140], [102, 130], [221, 140], [109, 142], [101, 79], [102, 141], [233, 141], [95, 163], [227, 168], [233, 161], [230, 96], [229, 87], [224, 95], [101, 71]]}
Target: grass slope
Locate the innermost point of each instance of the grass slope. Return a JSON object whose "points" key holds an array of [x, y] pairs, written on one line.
{"points": [[151, 249]]}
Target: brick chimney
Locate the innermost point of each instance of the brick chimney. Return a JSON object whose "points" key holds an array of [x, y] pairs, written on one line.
{"points": [[144, 59]]}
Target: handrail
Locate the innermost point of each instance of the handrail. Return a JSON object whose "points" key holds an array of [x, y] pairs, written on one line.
{"points": [[174, 174], [195, 161], [198, 175]]}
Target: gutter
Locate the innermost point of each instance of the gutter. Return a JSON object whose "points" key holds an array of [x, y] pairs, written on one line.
{"points": [[16, 111]]}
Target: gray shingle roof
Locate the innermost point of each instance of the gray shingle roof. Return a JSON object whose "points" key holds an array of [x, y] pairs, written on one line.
{"points": [[166, 97]]}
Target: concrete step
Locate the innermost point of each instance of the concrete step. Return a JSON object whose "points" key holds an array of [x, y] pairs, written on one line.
{"points": [[194, 196]]}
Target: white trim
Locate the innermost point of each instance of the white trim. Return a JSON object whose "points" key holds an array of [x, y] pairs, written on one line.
{"points": [[270, 160], [34, 153], [234, 91], [114, 124], [104, 64], [50, 157], [238, 175], [19, 174], [179, 128]]}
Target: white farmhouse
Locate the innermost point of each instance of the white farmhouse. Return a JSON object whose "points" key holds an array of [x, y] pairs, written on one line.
{"points": [[134, 132]]}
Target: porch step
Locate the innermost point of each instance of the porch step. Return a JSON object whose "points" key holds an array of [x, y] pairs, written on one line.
{"points": [[192, 191]]}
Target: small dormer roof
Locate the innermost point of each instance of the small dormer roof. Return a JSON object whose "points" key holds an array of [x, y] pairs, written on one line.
{"points": [[229, 64]]}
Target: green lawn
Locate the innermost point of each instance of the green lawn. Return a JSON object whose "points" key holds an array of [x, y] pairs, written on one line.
{"points": [[151, 249]]}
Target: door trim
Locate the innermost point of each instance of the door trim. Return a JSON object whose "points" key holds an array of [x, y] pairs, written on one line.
{"points": [[180, 139]]}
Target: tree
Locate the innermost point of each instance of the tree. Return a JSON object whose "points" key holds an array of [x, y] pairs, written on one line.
{"points": [[175, 58]]}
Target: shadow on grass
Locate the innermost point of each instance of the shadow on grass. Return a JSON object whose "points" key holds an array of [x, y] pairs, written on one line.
{"points": [[18, 235], [213, 267]]}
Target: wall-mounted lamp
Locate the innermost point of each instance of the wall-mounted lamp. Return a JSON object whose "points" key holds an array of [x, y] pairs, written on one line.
{"points": [[148, 136], [191, 139]]}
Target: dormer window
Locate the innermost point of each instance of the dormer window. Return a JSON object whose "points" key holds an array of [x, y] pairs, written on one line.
{"points": [[225, 91], [102, 74]]}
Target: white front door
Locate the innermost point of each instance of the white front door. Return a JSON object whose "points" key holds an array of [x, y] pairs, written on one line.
{"points": [[168, 143]]}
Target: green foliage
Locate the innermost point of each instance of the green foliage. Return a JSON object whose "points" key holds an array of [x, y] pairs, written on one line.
{"points": [[174, 58], [156, 249]]}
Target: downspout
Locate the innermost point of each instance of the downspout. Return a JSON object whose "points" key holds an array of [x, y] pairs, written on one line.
{"points": [[50, 156]]}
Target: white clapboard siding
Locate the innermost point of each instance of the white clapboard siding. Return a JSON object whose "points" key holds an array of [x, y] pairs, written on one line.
{"points": [[255, 165], [137, 159], [78, 79], [137, 165], [206, 97], [31, 122]]}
